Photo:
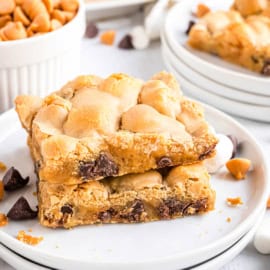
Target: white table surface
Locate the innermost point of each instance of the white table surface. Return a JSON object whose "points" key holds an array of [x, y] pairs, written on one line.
{"points": [[103, 60]]}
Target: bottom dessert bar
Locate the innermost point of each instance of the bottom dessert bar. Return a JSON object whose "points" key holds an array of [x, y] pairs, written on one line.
{"points": [[150, 196]]}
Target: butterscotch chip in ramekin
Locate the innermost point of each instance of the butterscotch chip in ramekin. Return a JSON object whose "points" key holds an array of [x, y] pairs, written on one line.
{"points": [[28, 239]]}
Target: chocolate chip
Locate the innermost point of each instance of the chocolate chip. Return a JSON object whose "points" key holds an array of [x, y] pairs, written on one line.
{"points": [[190, 25], [133, 213], [254, 59], [21, 210], [67, 209], [235, 144], [102, 166], [106, 216], [164, 162], [207, 152], [13, 180], [126, 43], [266, 67], [91, 30]]}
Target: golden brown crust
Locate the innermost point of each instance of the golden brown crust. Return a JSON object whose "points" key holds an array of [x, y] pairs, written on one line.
{"points": [[92, 123], [127, 199]]}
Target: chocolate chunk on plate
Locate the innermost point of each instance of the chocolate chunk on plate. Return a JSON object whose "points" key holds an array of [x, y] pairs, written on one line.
{"points": [[21, 210], [126, 43], [13, 180], [91, 30]]}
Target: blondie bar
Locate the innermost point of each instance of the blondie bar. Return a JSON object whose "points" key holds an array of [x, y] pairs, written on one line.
{"points": [[95, 128], [150, 196], [241, 41]]}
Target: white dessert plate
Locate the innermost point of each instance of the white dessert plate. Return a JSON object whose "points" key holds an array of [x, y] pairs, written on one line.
{"points": [[19, 262], [210, 85], [253, 112], [212, 67], [171, 244]]}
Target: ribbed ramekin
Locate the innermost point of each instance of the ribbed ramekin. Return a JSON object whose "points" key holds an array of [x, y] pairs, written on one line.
{"points": [[41, 64]]}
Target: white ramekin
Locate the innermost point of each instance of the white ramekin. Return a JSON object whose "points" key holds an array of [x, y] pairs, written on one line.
{"points": [[41, 64]]}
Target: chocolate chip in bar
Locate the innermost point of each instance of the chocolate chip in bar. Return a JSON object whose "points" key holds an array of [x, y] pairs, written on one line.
{"points": [[126, 43], [67, 209], [21, 210], [13, 180], [102, 166], [266, 67], [133, 213], [190, 25], [91, 30], [235, 144], [164, 162]]}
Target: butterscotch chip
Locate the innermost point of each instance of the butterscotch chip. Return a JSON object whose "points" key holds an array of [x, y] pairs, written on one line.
{"points": [[108, 37], [41, 23], [12, 31], [228, 219], [3, 220], [55, 24], [3, 166], [19, 16], [6, 6], [238, 167], [28, 239], [202, 10], [49, 5], [4, 20], [59, 15], [2, 192], [234, 201], [268, 203], [69, 5]]}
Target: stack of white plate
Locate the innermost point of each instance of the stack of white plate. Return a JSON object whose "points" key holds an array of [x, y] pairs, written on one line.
{"points": [[196, 242], [226, 86]]}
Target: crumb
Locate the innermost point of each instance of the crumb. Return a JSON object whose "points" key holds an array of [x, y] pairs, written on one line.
{"points": [[34, 193], [202, 9], [228, 219], [108, 37], [3, 167], [28, 239], [1, 190], [3, 220], [268, 203], [30, 230], [234, 201]]}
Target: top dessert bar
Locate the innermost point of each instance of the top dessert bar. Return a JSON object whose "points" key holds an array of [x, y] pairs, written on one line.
{"points": [[252, 7], [241, 41], [95, 128]]}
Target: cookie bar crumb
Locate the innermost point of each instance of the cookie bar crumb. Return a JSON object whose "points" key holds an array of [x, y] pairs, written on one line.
{"points": [[3, 166], [228, 219], [3, 220], [28, 239], [234, 201]]}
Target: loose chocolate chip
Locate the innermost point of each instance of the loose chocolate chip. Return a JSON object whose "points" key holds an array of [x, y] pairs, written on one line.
{"points": [[91, 30], [266, 67], [21, 210], [190, 25], [164, 162], [67, 209], [235, 144], [13, 180], [102, 166], [126, 43], [133, 213]]}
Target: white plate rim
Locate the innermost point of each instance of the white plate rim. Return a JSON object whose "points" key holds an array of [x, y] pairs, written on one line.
{"points": [[231, 237], [247, 111], [255, 84], [224, 91]]}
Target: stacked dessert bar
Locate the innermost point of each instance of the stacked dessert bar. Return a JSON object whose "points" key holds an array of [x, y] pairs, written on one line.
{"points": [[118, 150], [240, 35]]}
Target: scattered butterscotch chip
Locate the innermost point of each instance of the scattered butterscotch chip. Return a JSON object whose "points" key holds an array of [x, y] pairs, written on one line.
{"points": [[268, 203], [3, 220], [202, 9], [28, 239], [2, 192], [228, 219], [108, 37], [3, 166], [234, 201], [238, 167]]}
